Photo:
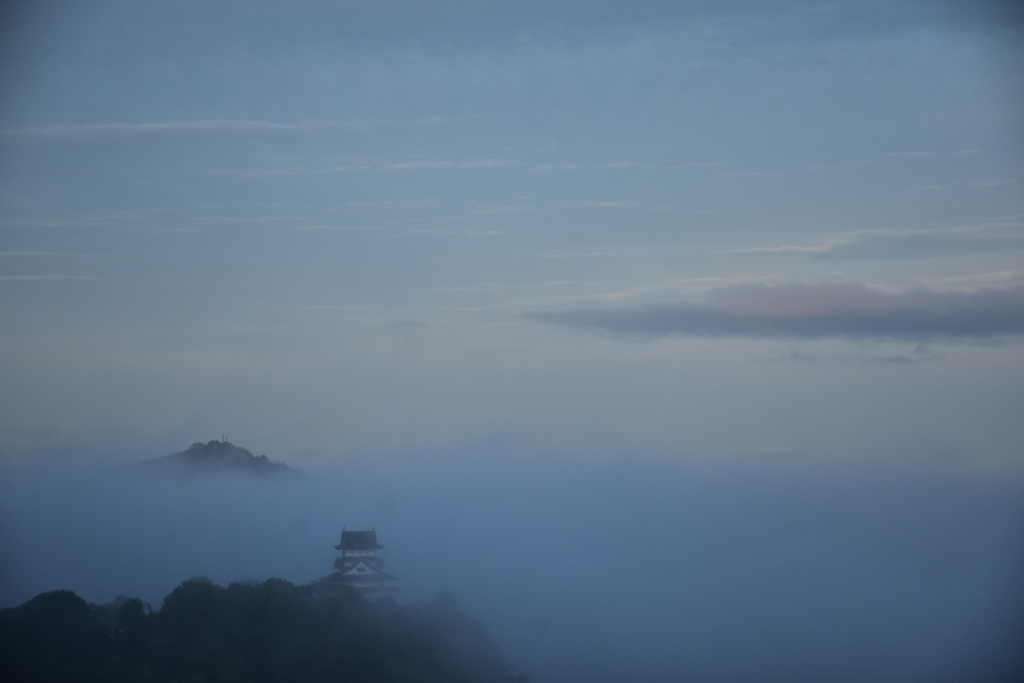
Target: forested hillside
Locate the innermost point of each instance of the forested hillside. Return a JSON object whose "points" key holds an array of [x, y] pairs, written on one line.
{"points": [[271, 631]]}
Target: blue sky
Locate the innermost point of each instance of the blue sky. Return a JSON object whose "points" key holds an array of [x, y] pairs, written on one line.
{"points": [[671, 230]]}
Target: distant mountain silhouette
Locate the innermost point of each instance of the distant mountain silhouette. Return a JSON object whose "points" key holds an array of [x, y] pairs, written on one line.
{"points": [[218, 456]]}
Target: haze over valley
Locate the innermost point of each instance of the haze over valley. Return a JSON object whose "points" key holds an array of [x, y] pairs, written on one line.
{"points": [[676, 340]]}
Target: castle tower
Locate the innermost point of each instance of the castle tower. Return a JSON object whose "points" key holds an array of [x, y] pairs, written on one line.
{"points": [[360, 567]]}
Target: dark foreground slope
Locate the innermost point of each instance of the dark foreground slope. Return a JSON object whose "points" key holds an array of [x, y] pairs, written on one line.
{"points": [[217, 457], [273, 631]]}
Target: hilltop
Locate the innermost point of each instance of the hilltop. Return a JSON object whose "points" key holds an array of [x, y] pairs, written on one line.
{"points": [[218, 456]]}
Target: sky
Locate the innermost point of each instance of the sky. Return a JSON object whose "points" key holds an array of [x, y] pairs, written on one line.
{"points": [[672, 337], [672, 230]]}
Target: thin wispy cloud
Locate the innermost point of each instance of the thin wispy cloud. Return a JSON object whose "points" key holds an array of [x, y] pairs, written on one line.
{"points": [[415, 165], [750, 174], [46, 277], [73, 130], [492, 209], [683, 287], [442, 164], [242, 219], [602, 253], [134, 218], [922, 354], [337, 307], [469, 232], [595, 204], [910, 155], [512, 286], [343, 228], [669, 165], [282, 172], [486, 163], [396, 231], [910, 243], [43, 254], [931, 154], [164, 231], [799, 311], [61, 222], [997, 276], [993, 182], [391, 204], [784, 249], [575, 166]]}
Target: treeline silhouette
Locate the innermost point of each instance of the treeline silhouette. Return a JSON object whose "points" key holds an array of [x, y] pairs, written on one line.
{"points": [[254, 632]]}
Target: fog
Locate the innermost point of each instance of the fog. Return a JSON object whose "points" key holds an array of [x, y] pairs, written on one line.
{"points": [[764, 568], [678, 340]]}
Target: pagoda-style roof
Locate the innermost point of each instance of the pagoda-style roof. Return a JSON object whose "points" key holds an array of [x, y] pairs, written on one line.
{"points": [[359, 540]]}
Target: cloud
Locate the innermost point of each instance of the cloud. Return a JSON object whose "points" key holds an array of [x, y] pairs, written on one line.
{"points": [[412, 165], [395, 231], [822, 311], [750, 174], [575, 166], [449, 231], [911, 155], [595, 204], [43, 254], [46, 277], [786, 249], [998, 276], [76, 130], [995, 182], [582, 254], [921, 354], [902, 244], [342, 228], [486, 163], [445, 164], [492, 209]]}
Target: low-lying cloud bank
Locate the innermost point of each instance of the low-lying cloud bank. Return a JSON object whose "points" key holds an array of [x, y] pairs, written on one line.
{"points": [[848, 311], [765, 568]]}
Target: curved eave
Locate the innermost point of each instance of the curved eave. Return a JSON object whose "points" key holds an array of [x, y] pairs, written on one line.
{"points": [[338, 577]]}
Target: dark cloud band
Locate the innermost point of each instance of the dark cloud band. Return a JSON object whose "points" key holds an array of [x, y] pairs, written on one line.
{"points": [[851, 311]]}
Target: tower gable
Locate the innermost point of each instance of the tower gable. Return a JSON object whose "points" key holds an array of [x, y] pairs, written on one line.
{"points": [[359, 540]]}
